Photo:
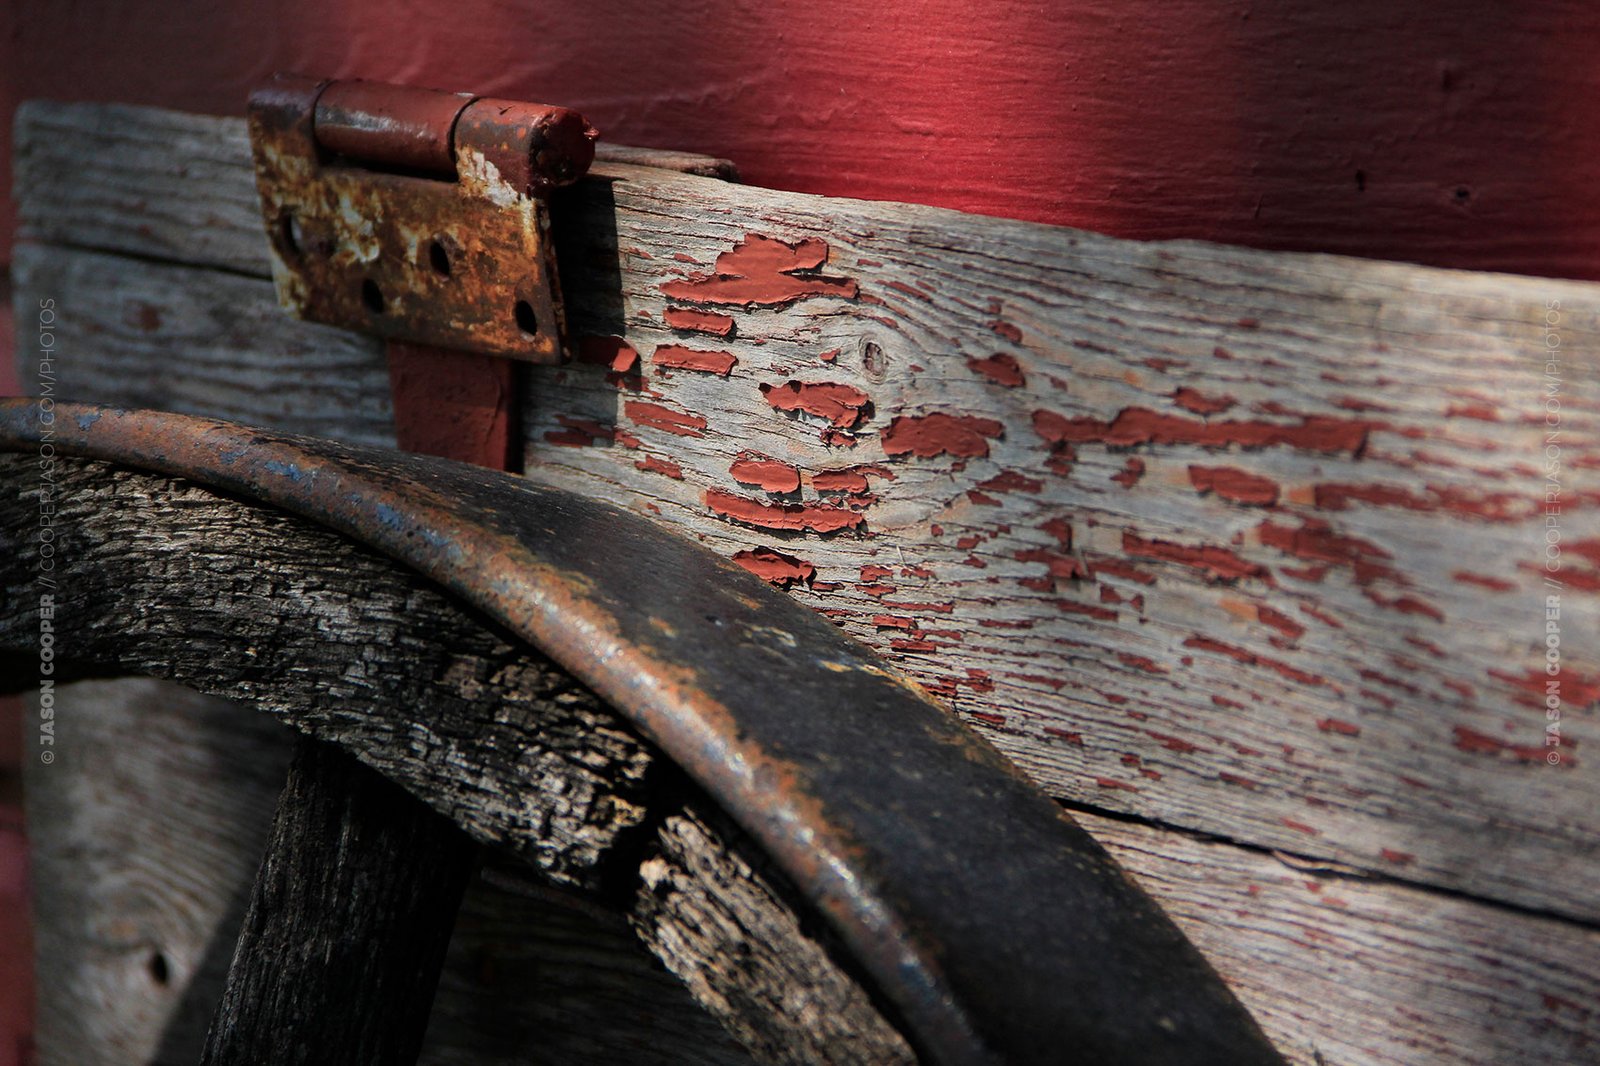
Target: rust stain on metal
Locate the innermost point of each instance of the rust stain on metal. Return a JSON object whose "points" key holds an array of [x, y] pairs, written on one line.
{"points": [[416, 215]]}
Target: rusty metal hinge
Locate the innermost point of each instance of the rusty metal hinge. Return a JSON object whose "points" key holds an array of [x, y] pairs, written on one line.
{"points": [[417, 215]]}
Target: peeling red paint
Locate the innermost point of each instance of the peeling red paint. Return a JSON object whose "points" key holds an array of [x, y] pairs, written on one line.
{"points": [[1102, 564], [1201, 404], [1228, 778], [1061, 567], [925, 436], [612, 352], [1219, 564], [816, 518], [1000, 368], [1172, 743], [697, 321], [850, 480], [763, 272], [1533, 685], [660, 466], [1280, 621], [665, 419], [1138, 425], [1011, 481], [1251, 658], [1234, 484], [1090, 610], [677, 357], [1007, 330], [1300, 827], [1140, 662], [579, 432], [842, 406], [1106, 782], [762, 472], [1335, 725], [1315, 540], [1405, 605], [1132, 471], [1475, 743], [1493, 507], [776, 567], [873, 573], [893, 621], [1399, 858]]}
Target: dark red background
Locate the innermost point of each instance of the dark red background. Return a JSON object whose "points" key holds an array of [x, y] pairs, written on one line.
{"points": [[1453, 133]]}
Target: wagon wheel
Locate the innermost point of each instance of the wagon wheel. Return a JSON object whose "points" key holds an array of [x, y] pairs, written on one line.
{"points": [[834, 865]]}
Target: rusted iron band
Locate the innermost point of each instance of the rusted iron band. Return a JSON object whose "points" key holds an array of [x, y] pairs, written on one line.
{"points": [[995, 927]]}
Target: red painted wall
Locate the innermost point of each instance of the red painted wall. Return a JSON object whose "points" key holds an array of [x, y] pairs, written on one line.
{"points": [[1456, 132], [1453, 132]]}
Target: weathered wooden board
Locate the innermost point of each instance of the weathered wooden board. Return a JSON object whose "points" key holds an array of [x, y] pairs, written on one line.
{"points": [[1240, 542], [158, 842]]}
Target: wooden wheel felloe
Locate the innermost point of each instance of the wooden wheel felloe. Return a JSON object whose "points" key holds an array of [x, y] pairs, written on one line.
{"points": [[753, 785]]}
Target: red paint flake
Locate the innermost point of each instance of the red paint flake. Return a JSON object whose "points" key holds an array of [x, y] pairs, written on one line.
{"points": [[851, 480], [987, 717], [765, 473], [982, 498], [1219, 564], [1325, 619], [1106, 782], [813, 517], [1062, 734], [774, 566], [925, 436], [612, 352], [1576, 690], [938, 608], [1235, 779], [1475, 743], [677, 357], [873, 573], [1011, 481], [918, 645], [1300, 827], [1483, 412], [1234, 484], [665, 419], [660, 466], [1172, 743], [1497, 584], [579, 432], [1251, 658], [1138, 425], [1087, 609], [763, 272], [878, 592], [916, 571], [1280, 621], [842, 406], [893, 621], [1201, 404], [1316, 541], [830, 355], [1334, 725], [1000, 368], [1399, 858], [1062, 567], [1060, 529], [698, 321], [1117, 568], [1223, 701], [1139, 662], [1132, 471], [908, 290], [1007, 330], [1406, 605], [1452, 499]]}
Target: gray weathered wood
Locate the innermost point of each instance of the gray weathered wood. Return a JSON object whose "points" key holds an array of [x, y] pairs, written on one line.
{"points": [[347, 926], [1328, 641]]}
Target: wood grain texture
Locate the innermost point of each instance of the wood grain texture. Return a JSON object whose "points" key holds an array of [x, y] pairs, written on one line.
{"points": [[159, 577], [1336, 963], [1240, 542], [146, 833], [348, 921]]}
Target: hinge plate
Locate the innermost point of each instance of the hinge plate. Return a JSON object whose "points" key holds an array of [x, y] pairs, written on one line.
{"points": [[414, 215]]}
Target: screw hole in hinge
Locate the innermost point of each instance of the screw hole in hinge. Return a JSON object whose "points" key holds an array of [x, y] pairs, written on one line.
{"points": [[527, 321], [439, 259], [372, 296], [291, 236]]}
